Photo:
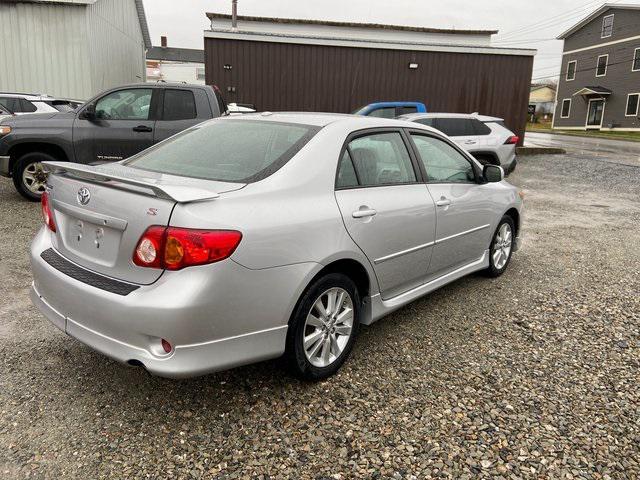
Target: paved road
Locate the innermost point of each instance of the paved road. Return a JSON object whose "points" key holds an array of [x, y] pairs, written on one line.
{"points": [[613, 151]]}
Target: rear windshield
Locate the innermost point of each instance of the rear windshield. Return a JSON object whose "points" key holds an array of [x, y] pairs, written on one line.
{"points": [[227, 150]]}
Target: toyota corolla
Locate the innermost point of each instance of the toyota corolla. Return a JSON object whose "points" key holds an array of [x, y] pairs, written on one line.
{"points": [[248, 238]]}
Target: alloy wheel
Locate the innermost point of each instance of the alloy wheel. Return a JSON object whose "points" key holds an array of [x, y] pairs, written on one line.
{"points": [[502, 246], [328, 327], [34, 177]]}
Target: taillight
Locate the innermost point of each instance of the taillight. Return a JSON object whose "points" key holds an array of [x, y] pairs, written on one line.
{"points": [[512, 140], [47, 214], [175, 248]]}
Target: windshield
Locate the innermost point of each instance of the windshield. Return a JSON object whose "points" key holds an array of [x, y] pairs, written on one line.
{"points": [[227, 150]]}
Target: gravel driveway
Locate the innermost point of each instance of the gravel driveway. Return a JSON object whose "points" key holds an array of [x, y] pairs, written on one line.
{"points": [[535, 374]]}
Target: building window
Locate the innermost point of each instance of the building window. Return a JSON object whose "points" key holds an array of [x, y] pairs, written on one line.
{"points": [[636, 60], [607, 26], [199, 73], [633, 100], [571, 70], [566, 108], [601, 69]]}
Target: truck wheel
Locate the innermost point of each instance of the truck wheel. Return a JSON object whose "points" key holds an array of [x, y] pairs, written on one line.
{"points": [[29, 176]]}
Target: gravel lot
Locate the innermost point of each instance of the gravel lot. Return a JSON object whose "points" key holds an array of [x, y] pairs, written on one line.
{"points": [[532, 375]]}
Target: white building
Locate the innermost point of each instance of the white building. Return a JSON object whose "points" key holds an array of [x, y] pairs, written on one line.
{"points": [[171, 64], [71, 48]]}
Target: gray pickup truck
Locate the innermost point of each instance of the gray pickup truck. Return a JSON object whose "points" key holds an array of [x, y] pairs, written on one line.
{"points": [[112, 126]]}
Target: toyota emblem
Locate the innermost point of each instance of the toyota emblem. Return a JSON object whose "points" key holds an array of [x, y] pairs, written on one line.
{"points": [[84, 195]]}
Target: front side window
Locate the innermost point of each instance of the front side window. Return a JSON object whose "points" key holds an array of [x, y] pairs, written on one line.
{"points": [[571, 70], [178, 105], [442, 162], [636, 60], [566, 108], [131, 104], [607, 26], [601, 70], [227, 150], [381, 159], [632, 105]]}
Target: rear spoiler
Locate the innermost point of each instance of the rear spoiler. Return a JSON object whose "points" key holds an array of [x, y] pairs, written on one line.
{"points": [[101, 174]]}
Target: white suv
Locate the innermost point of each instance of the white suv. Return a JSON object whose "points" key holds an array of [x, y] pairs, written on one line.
{"points": [[25, 103], [486, 138]]}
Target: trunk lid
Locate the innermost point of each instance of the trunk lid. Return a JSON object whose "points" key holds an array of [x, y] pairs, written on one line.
{"points": [[102, 211]]}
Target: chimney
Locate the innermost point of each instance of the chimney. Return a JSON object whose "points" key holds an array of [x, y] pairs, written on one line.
{"points": [[234, 15], [163, 41]]}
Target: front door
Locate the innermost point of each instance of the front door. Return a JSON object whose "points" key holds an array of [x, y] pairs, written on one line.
{"points": [[123, 126], [463, 206], [595, 113], [389, 215]]}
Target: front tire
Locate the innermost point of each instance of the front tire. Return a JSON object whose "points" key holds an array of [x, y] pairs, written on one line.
{"points": [[323, 327], [29, 176], [501, 247]]}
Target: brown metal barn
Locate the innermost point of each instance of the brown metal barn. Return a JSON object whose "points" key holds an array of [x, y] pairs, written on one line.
{"points": [[284, 64]]}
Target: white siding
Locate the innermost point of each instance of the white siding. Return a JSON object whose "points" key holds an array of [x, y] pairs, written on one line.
{"points": [[115, 44], [70, 50], [43, 49]]}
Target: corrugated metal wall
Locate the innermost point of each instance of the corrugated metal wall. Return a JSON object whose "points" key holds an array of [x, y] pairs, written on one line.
{"points": [[279, 76], [70, 51], [44, 50]]}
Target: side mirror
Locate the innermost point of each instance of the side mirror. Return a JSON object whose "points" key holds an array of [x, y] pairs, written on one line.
{"points": [[493, 173], [89, 112]]}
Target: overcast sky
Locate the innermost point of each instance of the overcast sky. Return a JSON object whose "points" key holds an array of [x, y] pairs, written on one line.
{"points": [[522, 23]]}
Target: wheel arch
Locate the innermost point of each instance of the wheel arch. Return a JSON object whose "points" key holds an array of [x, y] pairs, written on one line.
{"points": [[515, 216], [20, 149]]}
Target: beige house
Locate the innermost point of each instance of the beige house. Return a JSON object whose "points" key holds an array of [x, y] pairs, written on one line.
{"points": [[543, 98]]}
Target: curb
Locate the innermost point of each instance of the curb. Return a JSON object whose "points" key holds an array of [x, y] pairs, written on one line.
{"points": [[524, 151]]}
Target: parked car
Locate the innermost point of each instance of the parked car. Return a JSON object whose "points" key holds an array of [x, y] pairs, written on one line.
{"points": [[25, 103], [390, 109], [486, 138], [245, 238], [112, 126]]}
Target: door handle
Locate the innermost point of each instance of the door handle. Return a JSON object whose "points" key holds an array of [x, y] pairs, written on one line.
{"points": [[470, 142], [142, 128], [364, 212], [443, 202]]}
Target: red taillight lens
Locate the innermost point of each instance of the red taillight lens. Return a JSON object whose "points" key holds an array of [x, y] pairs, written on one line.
{"points": [[512, 140], [47, 214], [175, 248]]}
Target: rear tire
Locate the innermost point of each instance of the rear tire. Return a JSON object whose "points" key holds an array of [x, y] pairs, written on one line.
{"points": [[28, 174], [501, 247], [323, 327]]}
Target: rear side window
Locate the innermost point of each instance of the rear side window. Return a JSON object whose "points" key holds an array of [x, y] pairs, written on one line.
{"points": [[456, 127], [405, 110], [347, 177], [381, 159], [178, 105], [387, 112], [26, 106], [480, 128], [227, 150], [429, 122]]}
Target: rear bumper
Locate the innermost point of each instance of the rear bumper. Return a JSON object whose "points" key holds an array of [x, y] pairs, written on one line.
{"points": [[4, 166], [510, 164], [216, 317]]}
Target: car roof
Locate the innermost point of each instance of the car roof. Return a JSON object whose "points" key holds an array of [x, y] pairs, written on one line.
{"points": [[482, 118]]}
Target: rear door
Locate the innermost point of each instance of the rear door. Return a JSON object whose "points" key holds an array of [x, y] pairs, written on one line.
{"points": [[385, 208], [123, 126], [463, 206], [180, 109]]}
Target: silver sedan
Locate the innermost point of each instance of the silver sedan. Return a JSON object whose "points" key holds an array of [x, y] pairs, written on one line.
{"points": [[246, 238]]}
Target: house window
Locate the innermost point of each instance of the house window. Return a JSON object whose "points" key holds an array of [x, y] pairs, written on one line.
{"points": [[633, 100], [636, 60], [571, 70], [607, 26], [601, 69], [199, 73], [566, 108]]}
